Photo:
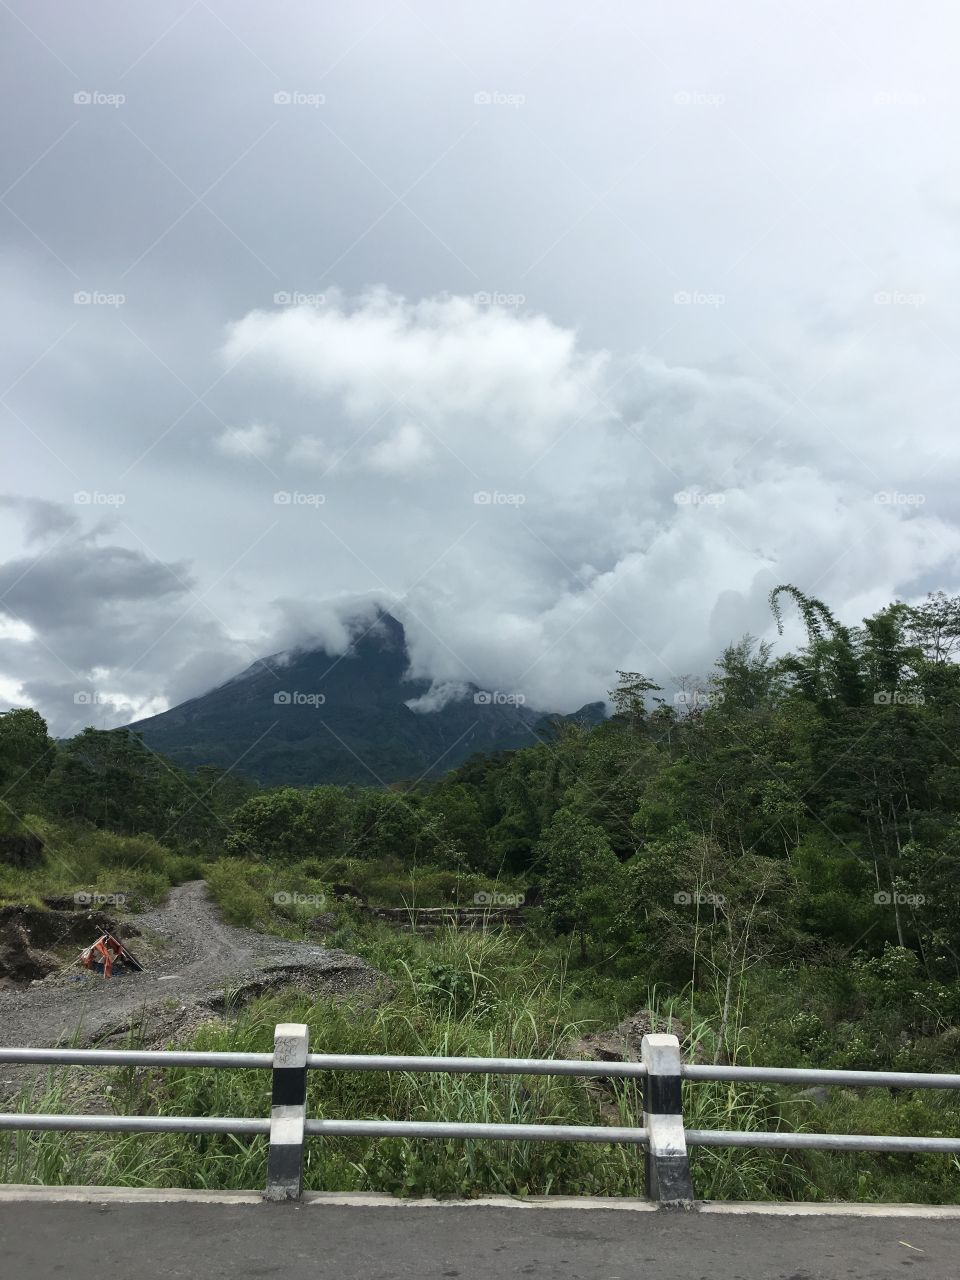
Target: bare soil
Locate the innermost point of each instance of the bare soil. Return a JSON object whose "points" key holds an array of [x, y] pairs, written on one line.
{"points": [[195, 966]]}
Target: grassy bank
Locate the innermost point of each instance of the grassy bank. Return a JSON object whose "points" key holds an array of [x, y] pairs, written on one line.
{"points": [[496, 994], [275, 895], [78, 857]]}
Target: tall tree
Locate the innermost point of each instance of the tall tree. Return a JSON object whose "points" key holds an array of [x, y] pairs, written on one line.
{"points": [[26, 757], [630, 698], [583, 881]]}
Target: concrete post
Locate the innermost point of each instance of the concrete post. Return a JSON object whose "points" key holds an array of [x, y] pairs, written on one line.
{"points": [[667, 1166], [291, 1044]]}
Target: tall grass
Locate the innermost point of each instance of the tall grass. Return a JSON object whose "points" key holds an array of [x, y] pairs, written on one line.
{"points": [[494, 994], [78, 856], [247, 891], [457, 994]]}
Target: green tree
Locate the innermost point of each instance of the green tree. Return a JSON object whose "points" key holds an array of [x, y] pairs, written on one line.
{"points": [[630, 698], [109, 778], [324, 827], [745, 677], [272, 825], [828, 668], [26, 757], [934, 627], [454, 812], [390, 824], [583, 882]]}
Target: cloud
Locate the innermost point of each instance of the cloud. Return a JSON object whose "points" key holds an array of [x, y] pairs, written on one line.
{"points": [[438, 695], [608, 534], [94, 632], [439, 358], [78, 583], [536, 513], [407, 450], [561, 410], [41, 519], [255, 441], [558, 513], [311, 450], [330, 624]]}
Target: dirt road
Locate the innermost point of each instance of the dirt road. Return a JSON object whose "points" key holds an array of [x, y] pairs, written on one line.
{"points": [[192, 959]]}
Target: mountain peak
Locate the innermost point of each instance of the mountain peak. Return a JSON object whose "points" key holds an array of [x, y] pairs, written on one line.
{"points": [[309, 716]]}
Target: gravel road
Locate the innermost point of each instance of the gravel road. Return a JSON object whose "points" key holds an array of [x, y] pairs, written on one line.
{"points": [[191, 958]]}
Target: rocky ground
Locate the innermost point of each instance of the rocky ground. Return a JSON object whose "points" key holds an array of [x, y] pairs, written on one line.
{"points": [[194, 964]]}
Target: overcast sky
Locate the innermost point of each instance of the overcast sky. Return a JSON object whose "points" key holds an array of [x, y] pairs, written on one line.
{"points": [[563, 330]]}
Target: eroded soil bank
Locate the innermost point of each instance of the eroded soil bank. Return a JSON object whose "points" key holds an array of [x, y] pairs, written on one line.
{"points": [[191, 959]]}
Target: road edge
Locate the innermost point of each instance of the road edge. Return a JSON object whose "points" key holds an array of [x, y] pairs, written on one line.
{"points": [[14, 1193]]}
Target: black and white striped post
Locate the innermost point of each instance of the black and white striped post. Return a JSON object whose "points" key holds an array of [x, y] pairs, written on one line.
{"points": [[291, 1043], [667, 1166]]}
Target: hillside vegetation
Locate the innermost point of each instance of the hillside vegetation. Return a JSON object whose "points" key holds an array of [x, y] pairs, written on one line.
{"points": [[769, 857]]}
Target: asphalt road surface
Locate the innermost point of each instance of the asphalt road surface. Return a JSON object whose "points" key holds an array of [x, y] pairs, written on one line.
{"points": [[41, 1241]]}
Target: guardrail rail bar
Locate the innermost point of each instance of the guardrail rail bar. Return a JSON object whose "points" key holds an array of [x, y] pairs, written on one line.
{"points": [[662, 1134]]}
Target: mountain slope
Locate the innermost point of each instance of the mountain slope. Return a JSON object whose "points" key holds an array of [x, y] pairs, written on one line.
{"points": [[309, 717]]}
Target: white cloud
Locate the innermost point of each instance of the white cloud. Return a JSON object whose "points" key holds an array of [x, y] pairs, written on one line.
{"points": [[15, 629], [779, 194], [407, 450], [330, 624], [568, 512], [255, 441], [644, 531], [438, 695], [310, 450], [440, 357]]}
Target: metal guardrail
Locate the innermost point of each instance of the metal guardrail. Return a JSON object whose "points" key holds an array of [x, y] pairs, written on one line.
{"points": [[662, 1134]]}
